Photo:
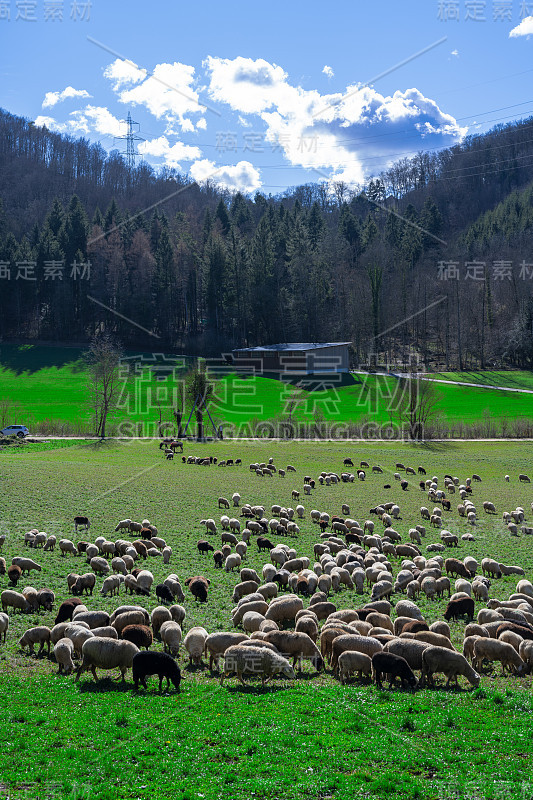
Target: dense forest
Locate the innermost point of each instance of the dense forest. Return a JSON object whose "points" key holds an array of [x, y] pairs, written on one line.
{"points": [[430, 259]]}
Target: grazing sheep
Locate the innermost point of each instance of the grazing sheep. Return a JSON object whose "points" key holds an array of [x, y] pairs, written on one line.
{"points": [[103, 653], [451, 664], [352, 661], [4, 626], [140, 635], [405, 608], [84, 583], [362, 644], [217, 643], [409, 649], [194, 644], [63, 652], [26, 564], [14, 600], [111, 586], [296, 645], [39, 635], [459, 608], [257, 606], [284, 609], [171, 635], [394, 666], [262, 662], [496, 650], [66, 546], [160, 664]]}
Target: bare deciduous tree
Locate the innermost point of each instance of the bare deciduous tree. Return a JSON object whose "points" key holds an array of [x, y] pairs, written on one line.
{"points": [[104, 380]]}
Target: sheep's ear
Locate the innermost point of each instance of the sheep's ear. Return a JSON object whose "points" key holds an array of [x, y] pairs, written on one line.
{"points": [[208, 582]]}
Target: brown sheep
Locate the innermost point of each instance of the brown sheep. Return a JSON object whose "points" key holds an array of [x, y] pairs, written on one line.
{"points": [[199, 587], [140, 635]]}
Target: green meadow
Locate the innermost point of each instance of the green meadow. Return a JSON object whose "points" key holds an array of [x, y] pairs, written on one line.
{"points": [[48, 388], [302, 739]]}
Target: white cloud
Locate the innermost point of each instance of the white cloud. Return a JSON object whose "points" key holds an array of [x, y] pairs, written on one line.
{"points": [[124, 73], [328, 72], [168, 93], [97, 119], [524, 29], [52, 98], [201, 125], [173, 154], [242, 177], [455, 53], [91, 119], [333, 131]]}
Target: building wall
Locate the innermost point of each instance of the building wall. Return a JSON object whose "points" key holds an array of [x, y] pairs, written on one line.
{"points": [[327, 359]]}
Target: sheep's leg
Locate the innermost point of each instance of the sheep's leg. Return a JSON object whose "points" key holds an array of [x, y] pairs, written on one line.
{"points": [[93, 670]]}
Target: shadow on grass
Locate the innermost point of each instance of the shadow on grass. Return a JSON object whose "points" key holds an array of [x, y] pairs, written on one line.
{"points": [[101, 444], [103, 685], [256, 690]]}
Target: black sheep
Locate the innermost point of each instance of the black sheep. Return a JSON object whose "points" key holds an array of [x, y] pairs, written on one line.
{"points": [[459, 608], [204, 546], [66, 610], [218, 558], [264, 544], [154, 663], [163, 593], [384, 663]]}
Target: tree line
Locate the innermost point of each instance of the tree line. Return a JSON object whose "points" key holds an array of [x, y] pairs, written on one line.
{"points": [[415, 263]]}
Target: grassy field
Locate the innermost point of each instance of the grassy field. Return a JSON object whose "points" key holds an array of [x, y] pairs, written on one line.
{"points": [[513, 379], [48, 386], [295, 740]]}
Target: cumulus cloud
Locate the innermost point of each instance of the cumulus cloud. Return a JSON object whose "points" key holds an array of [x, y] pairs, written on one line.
{"points": [[91, 119], [123, 73], [333, 131], [328, 72], [173, 154], [168, 93], [53, 98], [241, 177], [524, 29]]}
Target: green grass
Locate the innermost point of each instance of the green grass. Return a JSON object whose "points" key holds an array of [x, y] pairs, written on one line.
{"points": [[50, 385], [513, 379], [308, 738]]}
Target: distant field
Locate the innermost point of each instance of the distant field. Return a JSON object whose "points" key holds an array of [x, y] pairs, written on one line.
{"points": [[50, 385], [519, 379], [303, 739]]}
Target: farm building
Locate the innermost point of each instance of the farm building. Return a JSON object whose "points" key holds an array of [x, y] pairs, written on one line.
{"points": [[297, 358]]}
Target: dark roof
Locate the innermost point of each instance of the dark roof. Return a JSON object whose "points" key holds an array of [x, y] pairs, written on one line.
{"points": [[288, 346]]}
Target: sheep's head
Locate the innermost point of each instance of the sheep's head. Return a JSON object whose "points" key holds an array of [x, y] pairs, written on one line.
{"points": [[287, 671]]}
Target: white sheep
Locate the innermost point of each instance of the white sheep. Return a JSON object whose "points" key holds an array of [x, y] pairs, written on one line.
{"points": [[4, 625], [39, 635], [63, 652], [194, 643], [171, 636], [107, 654]]}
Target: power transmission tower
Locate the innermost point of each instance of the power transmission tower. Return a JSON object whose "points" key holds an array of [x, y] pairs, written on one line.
{"points": [[130, 138]]}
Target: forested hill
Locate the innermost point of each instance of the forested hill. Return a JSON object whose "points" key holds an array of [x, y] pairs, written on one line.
{"points": [[206, 271]]}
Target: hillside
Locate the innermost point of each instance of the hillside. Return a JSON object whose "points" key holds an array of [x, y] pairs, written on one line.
{"points": [[47, 390], [203, 271]]}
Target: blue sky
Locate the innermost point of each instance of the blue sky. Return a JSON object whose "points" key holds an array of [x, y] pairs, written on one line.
{"points": [[269, 95]]}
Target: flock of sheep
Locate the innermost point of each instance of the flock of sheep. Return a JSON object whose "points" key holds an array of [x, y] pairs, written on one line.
{"points": [[272, 631]]}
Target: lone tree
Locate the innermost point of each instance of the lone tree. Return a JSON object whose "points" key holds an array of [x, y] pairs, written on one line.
{"points": [[104, 382], [416, 405], [199, 389]]}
